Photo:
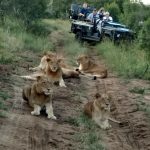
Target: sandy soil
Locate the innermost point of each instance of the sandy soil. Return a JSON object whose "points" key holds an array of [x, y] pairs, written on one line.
{"points": [[22, 131]]}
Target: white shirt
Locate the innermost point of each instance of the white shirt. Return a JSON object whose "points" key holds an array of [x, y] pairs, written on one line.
{"points": [[108, 18], [91, 17]]}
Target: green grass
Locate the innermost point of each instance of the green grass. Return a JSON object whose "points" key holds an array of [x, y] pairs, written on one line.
{"points": [[142, 106], [4, 95], [3, 114], [65, 41], [14, 38], [89, 137], [137, 90], [127, 62], [3, 107]]}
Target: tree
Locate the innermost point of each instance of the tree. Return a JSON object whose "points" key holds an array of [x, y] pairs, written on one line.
{"points": [[27, 10]]}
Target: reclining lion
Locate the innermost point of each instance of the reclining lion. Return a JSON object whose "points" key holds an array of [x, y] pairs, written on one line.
{"points": [[99, 110], [67, 71], [51, 69], [38, 95], [89, 67]]}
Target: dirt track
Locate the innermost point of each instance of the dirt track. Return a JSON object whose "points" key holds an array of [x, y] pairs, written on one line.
{"points": [[21, 131]]}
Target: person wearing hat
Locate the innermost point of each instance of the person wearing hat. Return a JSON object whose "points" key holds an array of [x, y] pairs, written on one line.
{"points": [[107, 17], [93, 16]]}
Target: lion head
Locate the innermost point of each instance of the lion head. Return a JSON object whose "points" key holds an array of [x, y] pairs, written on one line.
{"points": [[102, 102], [44, 86], [53, 63], [84, 61]]}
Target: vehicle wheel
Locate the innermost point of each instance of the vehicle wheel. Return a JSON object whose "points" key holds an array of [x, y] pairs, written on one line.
{"points": [[78, 36]]}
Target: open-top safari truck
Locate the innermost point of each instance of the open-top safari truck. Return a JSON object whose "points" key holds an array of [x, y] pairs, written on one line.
{"points": [[87, 31]]}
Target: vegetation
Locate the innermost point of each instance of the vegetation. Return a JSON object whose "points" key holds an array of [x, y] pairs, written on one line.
{"points": [[137, 90], [3, 107], [128, 62], [90, 136], [24, 27], [142, 106]]}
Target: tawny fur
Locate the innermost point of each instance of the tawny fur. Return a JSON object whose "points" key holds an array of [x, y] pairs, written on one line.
{"points": [[89, 67], [68, 72], [38, 95], [51, 69], [99, 110]]}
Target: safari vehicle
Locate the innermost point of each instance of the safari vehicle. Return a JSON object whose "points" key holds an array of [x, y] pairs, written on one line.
{"points": [[117, 32], [83, 30], [86, 31]]}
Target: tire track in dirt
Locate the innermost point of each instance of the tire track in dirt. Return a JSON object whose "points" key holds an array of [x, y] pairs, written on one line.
{"points": [[39, 133]]}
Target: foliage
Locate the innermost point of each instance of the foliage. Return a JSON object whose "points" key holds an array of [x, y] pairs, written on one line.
{"points": [[26, 10], [114, 10], [90, 137], [144, 36], [128, 62]]}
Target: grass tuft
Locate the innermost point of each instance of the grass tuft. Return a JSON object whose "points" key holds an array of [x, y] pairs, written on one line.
{"points": [[137, 90], [89, 137]]}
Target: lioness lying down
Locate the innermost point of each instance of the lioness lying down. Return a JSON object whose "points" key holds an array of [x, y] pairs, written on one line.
{"points": [[38, 95], [67, 71], [99, 110], [89, 67]]}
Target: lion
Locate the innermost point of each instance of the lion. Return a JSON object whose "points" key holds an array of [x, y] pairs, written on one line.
{"points": [[38, 95], [51, 69], [43, 62], [99, 110], [67, 71], [88, 67]]}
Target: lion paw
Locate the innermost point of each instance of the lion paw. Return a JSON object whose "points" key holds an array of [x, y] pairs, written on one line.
{"points": [[52, 117], [35, 113], [62, 85]]}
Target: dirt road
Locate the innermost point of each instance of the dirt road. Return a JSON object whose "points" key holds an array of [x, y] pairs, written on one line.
{"points": [[21, 131]]}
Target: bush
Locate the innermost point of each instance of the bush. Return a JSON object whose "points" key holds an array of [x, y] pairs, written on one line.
{"points": [[144, 36], [26, 10], [130, 63]]}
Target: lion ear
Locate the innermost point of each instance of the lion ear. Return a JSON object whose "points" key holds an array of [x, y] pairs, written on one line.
{"points": [[97, 95]]}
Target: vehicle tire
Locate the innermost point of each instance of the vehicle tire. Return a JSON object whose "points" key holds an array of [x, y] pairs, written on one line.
{"points": [[78, 36]]}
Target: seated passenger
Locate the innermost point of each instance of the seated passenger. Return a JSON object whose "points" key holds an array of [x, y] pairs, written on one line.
{"points": [[107, 17], [84, 11], [93, 16], [101, 13]]}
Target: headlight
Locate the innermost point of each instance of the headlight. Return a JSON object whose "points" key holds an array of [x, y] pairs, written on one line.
{"points": [[118, 35]]}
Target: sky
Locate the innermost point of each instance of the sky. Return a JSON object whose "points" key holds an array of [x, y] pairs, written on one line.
{"points": [[146, 1]]}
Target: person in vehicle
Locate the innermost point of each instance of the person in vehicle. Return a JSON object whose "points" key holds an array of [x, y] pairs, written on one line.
{"points": [[84, 11], [107, 17], [101, 13], [93, 16]]}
